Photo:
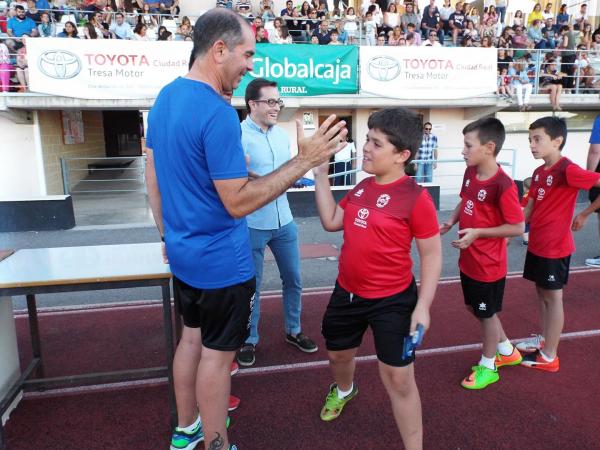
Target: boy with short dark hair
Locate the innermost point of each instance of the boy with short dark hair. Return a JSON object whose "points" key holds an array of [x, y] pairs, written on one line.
{"points": [[488, 213], [549, 212], [375, 286]]}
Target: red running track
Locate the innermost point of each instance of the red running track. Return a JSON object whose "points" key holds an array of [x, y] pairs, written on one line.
{"points": [[525, 410]]}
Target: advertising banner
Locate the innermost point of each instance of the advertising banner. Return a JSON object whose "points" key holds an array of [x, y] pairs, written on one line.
{"points": [[104, 69], [428, 73], [306, 70]]}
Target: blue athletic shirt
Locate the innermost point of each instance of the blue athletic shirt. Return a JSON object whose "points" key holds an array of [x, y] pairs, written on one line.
{"points": [[195, 138]]}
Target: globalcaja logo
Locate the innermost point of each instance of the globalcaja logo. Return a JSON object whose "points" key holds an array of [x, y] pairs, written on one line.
{"points": [[383, 68], [59, 64]]}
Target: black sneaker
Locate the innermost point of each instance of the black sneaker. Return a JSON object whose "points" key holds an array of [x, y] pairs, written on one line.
{"points": [[245, 356], [303, 342]]}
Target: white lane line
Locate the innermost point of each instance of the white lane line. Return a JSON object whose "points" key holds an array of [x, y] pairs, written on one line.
{"points": [[282, 368], [146, 304]]}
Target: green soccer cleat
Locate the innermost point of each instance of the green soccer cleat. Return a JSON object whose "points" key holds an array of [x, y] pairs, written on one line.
{"points": [[480, 378], [334, 405]]}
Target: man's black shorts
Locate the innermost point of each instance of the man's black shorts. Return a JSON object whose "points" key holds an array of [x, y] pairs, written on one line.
{"points": [[547, 273], [348, 316], [223, 315], [593, 195], [484, 297]]}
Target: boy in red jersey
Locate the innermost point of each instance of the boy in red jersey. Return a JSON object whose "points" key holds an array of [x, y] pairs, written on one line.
{"points": [[550, 214], [375, 287], [488, 213]]}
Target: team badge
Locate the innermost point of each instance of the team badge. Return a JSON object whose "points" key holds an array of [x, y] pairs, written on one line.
{"points": [[549, 180], [481, 195], [383, 200]]}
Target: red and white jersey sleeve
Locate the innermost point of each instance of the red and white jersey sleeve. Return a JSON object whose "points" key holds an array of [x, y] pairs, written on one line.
{"points": [[380, 222], [554, 193], [487, 204]]}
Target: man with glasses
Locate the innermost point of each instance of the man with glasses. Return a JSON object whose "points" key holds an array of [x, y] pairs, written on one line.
{"points": [[428, 154], [432, 40], [519, 39], [267, 147]]}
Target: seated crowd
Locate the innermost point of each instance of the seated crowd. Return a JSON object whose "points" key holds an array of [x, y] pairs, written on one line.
{"points": [[568, 40]]}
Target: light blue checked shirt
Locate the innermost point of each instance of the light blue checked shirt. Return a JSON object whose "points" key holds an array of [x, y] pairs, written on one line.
{"points": [[428, 145], [267, 152]]}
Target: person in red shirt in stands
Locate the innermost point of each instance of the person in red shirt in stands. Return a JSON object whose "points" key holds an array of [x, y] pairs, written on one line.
{"points": [[488, 213], [375, 287], [549, 212]]}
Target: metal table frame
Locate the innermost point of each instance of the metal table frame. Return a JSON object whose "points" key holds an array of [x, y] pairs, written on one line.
{"points": [[36, 366]]}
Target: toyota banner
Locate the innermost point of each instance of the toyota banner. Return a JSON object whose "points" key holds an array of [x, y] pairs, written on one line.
{"points": [[428, 73]]}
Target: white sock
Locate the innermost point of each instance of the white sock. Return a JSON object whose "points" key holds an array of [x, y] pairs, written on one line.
{"points": [[342, 394], [505, 348], [487, 362], [191, 427], [546, 357]]}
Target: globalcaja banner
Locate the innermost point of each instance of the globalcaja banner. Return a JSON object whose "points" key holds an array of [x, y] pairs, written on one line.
{"points": [[104, 69], [305, 70], [428, 73]]}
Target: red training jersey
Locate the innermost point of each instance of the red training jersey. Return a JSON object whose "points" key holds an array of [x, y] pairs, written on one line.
{"points": [[554, 193], [525, 199], [487, 204], [380, 222]]}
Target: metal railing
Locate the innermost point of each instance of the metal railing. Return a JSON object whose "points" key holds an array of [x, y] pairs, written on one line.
{"points": [[103, 175]]}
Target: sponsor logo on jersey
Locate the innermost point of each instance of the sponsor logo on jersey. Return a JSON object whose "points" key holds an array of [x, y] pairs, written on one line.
{"points": [[361, 219], [383, 200], [541, 193], [469, 207], [482, 306]]}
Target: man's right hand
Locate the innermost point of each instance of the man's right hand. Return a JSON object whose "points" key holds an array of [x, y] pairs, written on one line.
{"points": [[326, 142]]}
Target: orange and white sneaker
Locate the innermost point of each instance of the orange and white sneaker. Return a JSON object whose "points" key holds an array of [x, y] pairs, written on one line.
{"points": [[234, 402], [537, 361], [513, 359], [533, 344]]}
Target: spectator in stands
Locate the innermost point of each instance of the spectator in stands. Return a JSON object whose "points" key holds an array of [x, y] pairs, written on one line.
{"points": [[334, 34], [518, 20], [521, 84], [501, 6], [445, 12], [119, 28], [473, 15], [457, 23], [21, 67], [585, 37], [536, 14], [580, 19], [504, 60], [370, 29], [410, 16], [491, 14], [69, 31], [350, 24], [342, 34], [432, 40], [305, 9], [562, 18], [32, 12], [170, 7], [90, 32], [322, 11], [311, 24], [243, 7], [431, 22], [411, 28], [322, 33], [488, 28], [551, 82], [395, 36], [380, 40], [139, 32], [258, 23], [391, 18], [46, 28], [5, 67], [596, 42], [534, 34], [262, 36], [92, 8], [519, 39], [20, 25], [295, 26], [287, 11], [567, 63], [585, 72], [427, 154], [183, 32], [547, 13], [472, 32], [486, 42], [314, 40], [505, 39], [266, 6], [550, 27]]}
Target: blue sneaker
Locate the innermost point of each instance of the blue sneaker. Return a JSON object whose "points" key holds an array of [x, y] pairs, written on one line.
{"points": [[180, 440]]}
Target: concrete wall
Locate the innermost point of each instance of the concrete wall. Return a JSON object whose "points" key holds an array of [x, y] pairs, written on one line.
{"points": [[53, 147], [19, 174]]}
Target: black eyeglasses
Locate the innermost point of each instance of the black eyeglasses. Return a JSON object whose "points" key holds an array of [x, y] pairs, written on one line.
{"points": [[427, 129], [272, 102]]}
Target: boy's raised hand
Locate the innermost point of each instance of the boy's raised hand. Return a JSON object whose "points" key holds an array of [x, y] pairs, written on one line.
{"points": [[329, 139], [468, 236]]}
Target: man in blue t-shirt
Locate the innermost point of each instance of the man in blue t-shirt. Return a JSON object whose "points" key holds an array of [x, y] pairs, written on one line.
{"points": [[20, 24], [199, 191]]}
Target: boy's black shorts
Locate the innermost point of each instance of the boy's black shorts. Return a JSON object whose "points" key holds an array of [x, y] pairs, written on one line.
{"points": [[484, 297], [223, 315], [547, 273], [593, 195], [348, 316]]}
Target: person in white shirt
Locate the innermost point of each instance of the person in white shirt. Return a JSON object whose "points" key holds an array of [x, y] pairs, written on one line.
{"points": [[120, 28], [432, 40], [580, 19]]}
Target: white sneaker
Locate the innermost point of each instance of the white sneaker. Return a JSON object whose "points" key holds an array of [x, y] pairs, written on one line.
{"points": [[594, 262], [534, 343]]}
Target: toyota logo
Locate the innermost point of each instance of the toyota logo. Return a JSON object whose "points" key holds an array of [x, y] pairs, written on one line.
{"points": [[59, 64], [363, 213], [383, 68]]}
